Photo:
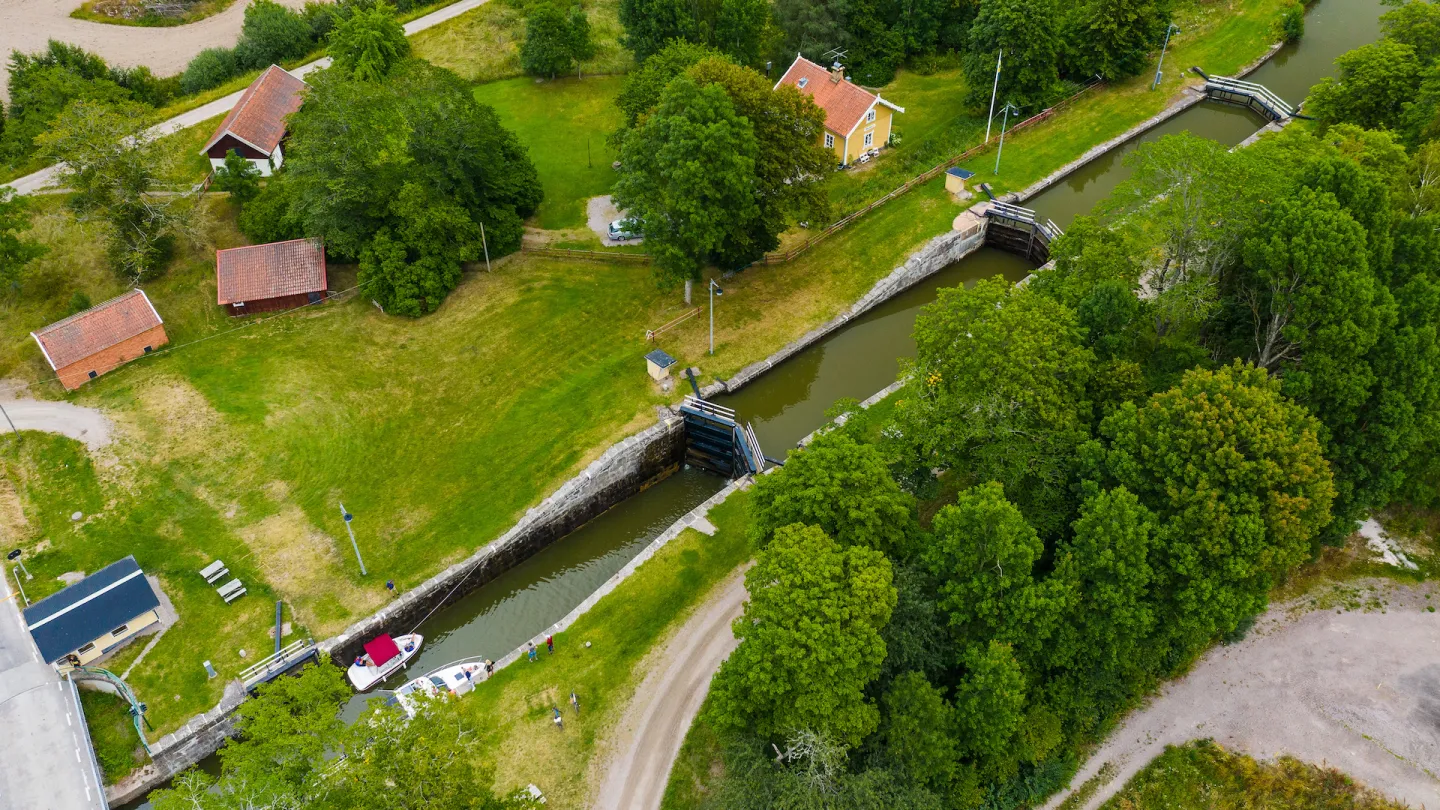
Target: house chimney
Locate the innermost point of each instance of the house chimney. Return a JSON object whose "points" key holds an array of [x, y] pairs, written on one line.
{"points": [[836, 73]]}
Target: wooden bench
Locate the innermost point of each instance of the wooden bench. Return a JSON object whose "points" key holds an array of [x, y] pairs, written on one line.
{"points": [[231, 591], [214, 571]]}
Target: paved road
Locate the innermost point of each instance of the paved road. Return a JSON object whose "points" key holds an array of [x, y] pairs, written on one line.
{"points": [[1356, 691], [182, 39], [84, 424], [655, 723], [45, 763]]}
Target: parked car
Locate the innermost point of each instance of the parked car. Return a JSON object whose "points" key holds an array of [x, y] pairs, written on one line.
{"points": [[623, 230]]}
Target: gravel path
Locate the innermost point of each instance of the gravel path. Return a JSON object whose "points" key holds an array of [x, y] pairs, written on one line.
{"points": [[666, 702], [1355, 691], [85, 424]]}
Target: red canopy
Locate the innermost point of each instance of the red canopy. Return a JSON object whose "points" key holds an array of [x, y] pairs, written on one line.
{"points": [[381, 649]]}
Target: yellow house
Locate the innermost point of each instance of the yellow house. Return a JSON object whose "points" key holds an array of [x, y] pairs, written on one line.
{"points": [[93, 616], [856, 120]]}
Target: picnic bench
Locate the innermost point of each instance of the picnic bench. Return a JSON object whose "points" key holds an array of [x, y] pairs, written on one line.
{"points": [[231, 591], [214, 571]]}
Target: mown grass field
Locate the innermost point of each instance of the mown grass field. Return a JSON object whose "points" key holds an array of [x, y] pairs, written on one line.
{"points": [[483, 44], [1203, 774], [112, 732]]}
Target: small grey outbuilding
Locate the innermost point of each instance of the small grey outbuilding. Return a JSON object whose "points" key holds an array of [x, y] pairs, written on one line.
{"points": [[658, 363]]}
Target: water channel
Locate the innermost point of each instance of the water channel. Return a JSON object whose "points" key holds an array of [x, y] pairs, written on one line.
{"points": [[789, 401]]}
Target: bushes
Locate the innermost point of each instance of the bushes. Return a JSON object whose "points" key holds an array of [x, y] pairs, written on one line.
{"points": [[271, 34], [211, 67]]}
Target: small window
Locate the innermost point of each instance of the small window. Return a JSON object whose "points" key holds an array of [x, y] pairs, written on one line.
{"points": [[87, 648], [804, 80], [149, 349], [120, 631], [869, 139], [93, 375], [829, 141], [870, 116]]}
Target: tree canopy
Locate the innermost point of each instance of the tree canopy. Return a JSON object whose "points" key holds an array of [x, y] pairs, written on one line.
{"points": [[367, 43]]}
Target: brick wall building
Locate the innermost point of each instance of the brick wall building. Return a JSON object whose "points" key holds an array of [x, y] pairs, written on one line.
{"points": [[103, 337]]}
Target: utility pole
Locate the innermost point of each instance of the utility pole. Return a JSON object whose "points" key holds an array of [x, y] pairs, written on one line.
{"points": [[349, 517], [993, 91], [485, 245], [714, 291], [1158, 73], [1007, 109]]}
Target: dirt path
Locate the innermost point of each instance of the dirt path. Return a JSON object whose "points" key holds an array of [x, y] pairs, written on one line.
{"points": [[1355, 691], [85, 424], [653, 727]]}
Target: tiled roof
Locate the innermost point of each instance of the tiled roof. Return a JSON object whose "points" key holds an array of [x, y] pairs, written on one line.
{"points": [[269, 271], [65, 621], [96, 329], [845, 104], [258, 118]]}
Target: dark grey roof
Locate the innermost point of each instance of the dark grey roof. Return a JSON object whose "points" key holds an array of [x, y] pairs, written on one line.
{"points": [[661, 359], [63, 622], [963, 174]]}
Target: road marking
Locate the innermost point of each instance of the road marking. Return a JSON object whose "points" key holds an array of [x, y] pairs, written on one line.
{"points": [[67, 719], [77, 754]]}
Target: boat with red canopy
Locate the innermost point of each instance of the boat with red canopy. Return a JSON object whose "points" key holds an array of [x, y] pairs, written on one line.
{"points": [[383, 657]]}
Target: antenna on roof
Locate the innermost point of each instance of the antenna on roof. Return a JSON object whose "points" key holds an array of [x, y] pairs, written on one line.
{"points": [[835, 55]]}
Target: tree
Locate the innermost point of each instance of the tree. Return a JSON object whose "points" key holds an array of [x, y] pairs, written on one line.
{"points": [[211, 67], [286, 730], [239, 177], [809, 639], [410, 212], [1416, 25], [1001, 375], [1236, 478], [15, 252], [271, 34], [840, 486], [651, 24], [1292, 22], [1113, 38], [741, 29], [919, 731], [688, 174], [983, 555], [811, 27], [790, 163], [990, 702], [554, 42], [112, 164], [582, 46], [43, 85], [1029, 33], [1374, 83], [367, 43], [644, 87]]}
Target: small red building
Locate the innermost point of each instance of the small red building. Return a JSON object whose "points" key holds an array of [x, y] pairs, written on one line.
{"points": [[103, 337], [255, 126], [271, 277]]}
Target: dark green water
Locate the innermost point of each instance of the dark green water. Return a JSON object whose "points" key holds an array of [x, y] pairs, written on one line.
{"points": [[789, 401]]}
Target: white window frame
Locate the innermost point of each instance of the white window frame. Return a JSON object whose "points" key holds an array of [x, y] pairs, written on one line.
{"points": [[870, 116], [869, 139], [829, 141]]}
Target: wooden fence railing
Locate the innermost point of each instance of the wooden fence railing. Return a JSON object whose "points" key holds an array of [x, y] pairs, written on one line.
{"points": [[596, 255]]}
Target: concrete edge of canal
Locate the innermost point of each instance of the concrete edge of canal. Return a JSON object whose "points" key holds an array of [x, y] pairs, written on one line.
{"points": [[624, 469]]}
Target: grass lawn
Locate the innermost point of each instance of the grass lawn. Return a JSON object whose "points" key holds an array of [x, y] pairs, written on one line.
{"points": [[483, 44], [112, 732], [564, 124], [1202, 774], [513, 709]]}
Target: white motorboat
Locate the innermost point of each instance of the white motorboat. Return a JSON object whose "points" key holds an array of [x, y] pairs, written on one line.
{"points": [[384, 656], [458, 679], [447, 682]]}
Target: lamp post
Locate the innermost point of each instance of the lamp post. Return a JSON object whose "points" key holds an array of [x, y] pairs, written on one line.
{"points": [[714, 291], [15, 555], [993, 92], [1009, 108], [1172, 27], [349, 517]]}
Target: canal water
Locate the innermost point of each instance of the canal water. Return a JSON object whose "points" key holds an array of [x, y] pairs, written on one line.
{"points": [[789, 401]]}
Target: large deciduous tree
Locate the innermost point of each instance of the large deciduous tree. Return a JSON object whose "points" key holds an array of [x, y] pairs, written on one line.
{"points": [[367, 43], [1000, 377], [841, 486], [15, 252], [554, 41], [688, 174], [809, 639], [1112, 38], [1029, 33], [1236, 478], [1374, 83], [650, 24], [402, 175]]}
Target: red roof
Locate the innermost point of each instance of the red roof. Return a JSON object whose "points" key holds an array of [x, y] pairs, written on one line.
{"points": [[96, 329], [258, 118], [381, 649], [258, 272], [845, 104]]}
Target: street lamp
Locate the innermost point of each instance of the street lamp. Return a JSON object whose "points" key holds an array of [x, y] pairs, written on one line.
{"points": [[349, 517], [714, 291], [15, 555], [1172, 28], [1009, 108]]}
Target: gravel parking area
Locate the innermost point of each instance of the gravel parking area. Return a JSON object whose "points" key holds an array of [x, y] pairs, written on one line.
{"points": [[1357, 691], [600, 212]]}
